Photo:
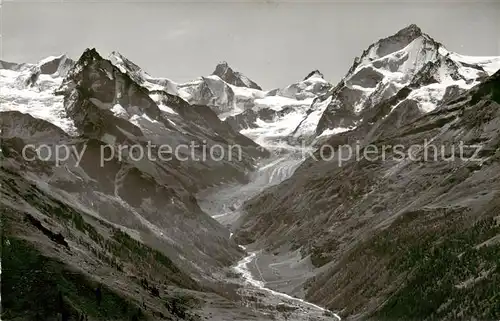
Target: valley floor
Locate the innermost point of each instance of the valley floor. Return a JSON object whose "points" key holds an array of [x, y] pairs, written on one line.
{"points": [[271, 283]]}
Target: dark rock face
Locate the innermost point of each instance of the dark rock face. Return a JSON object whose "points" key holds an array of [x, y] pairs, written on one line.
{"points": [[340, 113], [94, 87], [212, 92], [391, 233], [452, 92], [135, 218], [60, 65], [55, 237], [233, 77], [429, 74], [398, 41], [316, 73], [16, 124], [10, 65], [367, 77]]}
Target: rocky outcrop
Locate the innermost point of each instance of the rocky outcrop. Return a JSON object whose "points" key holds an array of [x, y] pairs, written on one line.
{"points": [[248, 119], [211, 91], [315, 73], [390, 233], [56, 65]]}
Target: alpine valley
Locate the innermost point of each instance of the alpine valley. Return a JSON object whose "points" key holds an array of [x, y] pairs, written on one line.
{"points": [[278, 232]]}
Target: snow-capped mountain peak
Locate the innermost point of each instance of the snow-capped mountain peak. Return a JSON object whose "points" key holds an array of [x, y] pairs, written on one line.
{"points": [[124, 64], [404, 52], [314, 74], [55, 65], [142, 77], [409, 61]]}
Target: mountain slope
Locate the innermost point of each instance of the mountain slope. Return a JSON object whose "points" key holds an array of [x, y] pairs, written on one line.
{"points": [[91, 214], [409, 60], [394, 238]]}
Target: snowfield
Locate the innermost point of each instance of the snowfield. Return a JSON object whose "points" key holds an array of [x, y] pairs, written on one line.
{"points": [[39, 101]]}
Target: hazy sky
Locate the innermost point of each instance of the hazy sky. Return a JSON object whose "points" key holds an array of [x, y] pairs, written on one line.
{"points": [[273, 42]]}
